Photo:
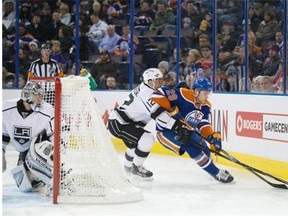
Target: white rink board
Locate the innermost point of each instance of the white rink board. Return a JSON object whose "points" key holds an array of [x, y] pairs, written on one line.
{"points": [[242, 120]]}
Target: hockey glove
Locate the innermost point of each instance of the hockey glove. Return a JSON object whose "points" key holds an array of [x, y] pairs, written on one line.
{"points": [[215, 140], [182, 130]]}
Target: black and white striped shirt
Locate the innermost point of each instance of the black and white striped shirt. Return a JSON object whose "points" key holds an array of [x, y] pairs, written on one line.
{"points": [[40, 69]]}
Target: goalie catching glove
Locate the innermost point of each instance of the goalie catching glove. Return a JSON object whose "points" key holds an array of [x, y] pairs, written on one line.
{"points": [[215, 141]]}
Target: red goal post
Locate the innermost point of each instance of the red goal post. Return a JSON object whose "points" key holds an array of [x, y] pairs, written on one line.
{"points": [[86, 166]]}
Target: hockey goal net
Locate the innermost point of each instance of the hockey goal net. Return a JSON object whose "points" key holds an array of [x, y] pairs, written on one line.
{"points": [[86, 166]]}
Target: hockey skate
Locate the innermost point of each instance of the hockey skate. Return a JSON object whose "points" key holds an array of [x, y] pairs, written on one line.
{"points": [[141, 171], [127, 169], [224, 176]]}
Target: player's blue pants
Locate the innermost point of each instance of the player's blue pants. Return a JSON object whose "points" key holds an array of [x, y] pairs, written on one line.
{"points": [[169, 139]]}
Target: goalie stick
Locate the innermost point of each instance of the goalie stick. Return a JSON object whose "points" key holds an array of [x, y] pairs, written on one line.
{"points": [[253, 170]]}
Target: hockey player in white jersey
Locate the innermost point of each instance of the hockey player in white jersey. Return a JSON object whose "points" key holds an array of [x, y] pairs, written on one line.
{"points": [[127, 122], [27, 123]]}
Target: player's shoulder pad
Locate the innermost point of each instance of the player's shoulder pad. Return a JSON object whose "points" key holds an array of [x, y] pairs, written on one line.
{"points": [[208, 103], [187, 94], [8, 104], [159, 96], [47, 108]]}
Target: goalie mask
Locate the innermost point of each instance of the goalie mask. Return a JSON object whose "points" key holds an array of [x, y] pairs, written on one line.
{"points": [[154, 75], [33, 94]]}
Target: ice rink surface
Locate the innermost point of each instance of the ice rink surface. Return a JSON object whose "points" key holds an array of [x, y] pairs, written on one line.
{"points": [[179, 187]]}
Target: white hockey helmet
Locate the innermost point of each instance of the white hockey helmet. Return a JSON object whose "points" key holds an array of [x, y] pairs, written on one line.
{"points": [[152, 74], [29, 91]]}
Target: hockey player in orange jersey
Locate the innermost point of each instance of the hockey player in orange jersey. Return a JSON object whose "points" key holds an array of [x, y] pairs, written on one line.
{"points": [[191, 109]]}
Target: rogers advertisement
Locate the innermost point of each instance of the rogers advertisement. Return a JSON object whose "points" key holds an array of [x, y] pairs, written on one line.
{"points": [[262, 126]]}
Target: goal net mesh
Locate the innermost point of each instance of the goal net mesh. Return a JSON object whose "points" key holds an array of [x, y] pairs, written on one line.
{"points": [[86, 166]]}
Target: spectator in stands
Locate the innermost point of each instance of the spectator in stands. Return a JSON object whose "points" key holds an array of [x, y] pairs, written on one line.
{"points": [[229, 33], [255, 15], [163, 17], [72, 70], [189, 79], [37, 28], [203, 39], [84, 47], [279, 42], [170, 80], [96, 32], [255, 85], [53, 28], [110, 40], [65, 15], [57, 55], [206, 51], [207, 70], [122, 47], [267, 28], [23, 63], [206, 23], [66, 39], [46, 20], [116, 8], [22, 81], [255, 57], [8, 78], [163, 66], [25, 39], [266, 84], [33, 52], [99, 9], [242, 85], [239, 52], [271, 64], [25, 15], [280, 86], [103, 67], [229, 10], [190, 16], [145, 16], [111, 83], [173, 5], [218, 41], [45, 66], [169, 77], [9, 81], [193, 62], [8, 12], [230, 69], [172, 63]]}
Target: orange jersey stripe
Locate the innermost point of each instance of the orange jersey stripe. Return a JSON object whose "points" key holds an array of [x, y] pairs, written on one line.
{"points": [[167, 143]]}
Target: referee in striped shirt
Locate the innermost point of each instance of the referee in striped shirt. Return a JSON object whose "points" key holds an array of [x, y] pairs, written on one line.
{"points": [[45, 66]]}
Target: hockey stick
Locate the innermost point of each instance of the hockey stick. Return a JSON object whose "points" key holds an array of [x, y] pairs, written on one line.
{"points": [[256, 171], [253, 170]]}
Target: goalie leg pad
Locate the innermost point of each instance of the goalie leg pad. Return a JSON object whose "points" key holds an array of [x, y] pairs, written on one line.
{"points": [[21, 178], [39, 160]]}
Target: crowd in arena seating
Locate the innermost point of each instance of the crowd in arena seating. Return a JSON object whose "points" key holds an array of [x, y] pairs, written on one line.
{"points": [[104, 37]]}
